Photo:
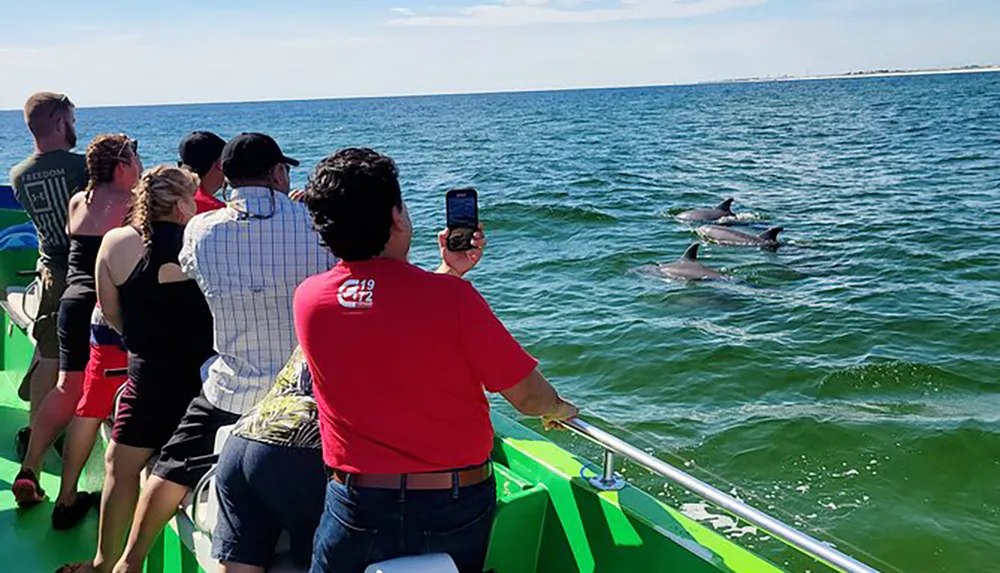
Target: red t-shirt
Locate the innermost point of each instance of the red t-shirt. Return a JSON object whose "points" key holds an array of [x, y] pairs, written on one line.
{"points": [[399, 359], [206, 202]]}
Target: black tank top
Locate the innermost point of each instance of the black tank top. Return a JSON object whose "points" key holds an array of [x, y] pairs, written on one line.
{"points": [[82, 262], [165, 326]]}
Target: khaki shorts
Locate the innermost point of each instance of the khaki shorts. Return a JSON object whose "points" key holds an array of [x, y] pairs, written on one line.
{"points": [[44, 329]]}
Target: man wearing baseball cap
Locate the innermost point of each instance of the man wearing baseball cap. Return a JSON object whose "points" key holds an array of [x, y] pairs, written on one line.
{"points": [[248, 257], [201, 152]]}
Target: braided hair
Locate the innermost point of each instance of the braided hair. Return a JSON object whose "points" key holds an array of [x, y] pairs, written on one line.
{"points": [[104, 154], [157, 194]]}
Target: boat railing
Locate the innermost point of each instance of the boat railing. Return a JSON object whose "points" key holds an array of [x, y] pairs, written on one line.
{"points": [[608, 480]]}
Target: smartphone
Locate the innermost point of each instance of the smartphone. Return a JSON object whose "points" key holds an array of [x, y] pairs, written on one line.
{"points": [[462, 206]]}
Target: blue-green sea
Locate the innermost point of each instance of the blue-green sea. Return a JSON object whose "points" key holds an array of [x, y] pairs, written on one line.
{"points": [[849, 382]]}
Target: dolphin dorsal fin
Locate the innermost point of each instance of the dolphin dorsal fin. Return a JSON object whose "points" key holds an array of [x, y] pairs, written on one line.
{"points": [[691, 253], [726, 205], [771, 234]]}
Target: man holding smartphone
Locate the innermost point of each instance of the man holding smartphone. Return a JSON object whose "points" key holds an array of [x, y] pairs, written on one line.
{"points": [[400, 358]]}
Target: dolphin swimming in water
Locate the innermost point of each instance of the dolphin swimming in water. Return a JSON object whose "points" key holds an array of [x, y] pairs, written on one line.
{"points": [[723, 210], [726, 236], [688, 268]]}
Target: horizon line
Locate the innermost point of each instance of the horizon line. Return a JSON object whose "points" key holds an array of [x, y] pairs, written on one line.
{"points": [[745, 80]]}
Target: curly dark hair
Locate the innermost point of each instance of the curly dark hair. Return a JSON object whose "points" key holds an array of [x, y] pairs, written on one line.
{"points": [[351, 195]]}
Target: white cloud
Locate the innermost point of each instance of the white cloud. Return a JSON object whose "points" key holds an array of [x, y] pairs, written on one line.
{"points": [[526, 12], [166, 62]]}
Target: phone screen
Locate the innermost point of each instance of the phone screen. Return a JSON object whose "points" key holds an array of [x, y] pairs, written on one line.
{"points": [[463, 218]]}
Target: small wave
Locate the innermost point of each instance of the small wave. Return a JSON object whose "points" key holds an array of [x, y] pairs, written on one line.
{"points": [[963, 158], [718, 521], [744, 218], [524, 214], [587, 183], [892, 376]]}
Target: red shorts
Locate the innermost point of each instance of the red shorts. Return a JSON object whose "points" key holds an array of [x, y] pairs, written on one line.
{"points": [[105, 372]]}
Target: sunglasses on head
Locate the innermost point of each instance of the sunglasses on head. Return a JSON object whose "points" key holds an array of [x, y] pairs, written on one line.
{"points": [[128, 144]]}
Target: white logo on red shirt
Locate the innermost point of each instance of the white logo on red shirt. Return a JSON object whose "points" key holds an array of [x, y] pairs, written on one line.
{"points": [[354, 293]]}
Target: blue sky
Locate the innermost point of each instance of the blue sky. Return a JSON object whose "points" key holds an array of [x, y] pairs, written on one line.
{"points": [[126, 52]]}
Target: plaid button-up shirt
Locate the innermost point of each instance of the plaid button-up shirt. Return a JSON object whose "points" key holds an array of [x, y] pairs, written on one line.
{"points": [[248, 258]]}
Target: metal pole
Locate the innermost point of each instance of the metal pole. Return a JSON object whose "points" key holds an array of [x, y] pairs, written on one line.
{"points": [[608, 480], [609, 466], [797, 539]]}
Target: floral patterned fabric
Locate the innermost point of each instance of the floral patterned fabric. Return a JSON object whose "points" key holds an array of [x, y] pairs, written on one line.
{"points": [[287, 414]]}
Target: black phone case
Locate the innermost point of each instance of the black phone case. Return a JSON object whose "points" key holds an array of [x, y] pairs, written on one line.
{"points": [[460, 237]]}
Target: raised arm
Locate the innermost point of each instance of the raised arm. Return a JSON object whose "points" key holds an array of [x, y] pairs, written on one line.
{"points": [[459, 263]]}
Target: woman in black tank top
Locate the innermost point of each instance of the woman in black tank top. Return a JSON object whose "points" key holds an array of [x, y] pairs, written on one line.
{"points": [[167, 328], [113, 168]]}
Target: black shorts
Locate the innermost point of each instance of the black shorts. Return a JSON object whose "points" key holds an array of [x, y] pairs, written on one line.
{"points": [[45, 328], [183, 458], [74, 332], [147, 417]]}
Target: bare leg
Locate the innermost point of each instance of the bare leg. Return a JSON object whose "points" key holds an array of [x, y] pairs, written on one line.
{"points": [[239, 568], [52, 416], [157, 505], [121, 491], [43, 380], [80, 438]]}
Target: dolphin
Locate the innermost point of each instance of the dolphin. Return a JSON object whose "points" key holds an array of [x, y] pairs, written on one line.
{"points": [[688, 268], [726, 236], [723, 210]]}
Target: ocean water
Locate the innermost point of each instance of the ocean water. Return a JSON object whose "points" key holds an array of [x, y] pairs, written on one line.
{"points": [[847, 383]]}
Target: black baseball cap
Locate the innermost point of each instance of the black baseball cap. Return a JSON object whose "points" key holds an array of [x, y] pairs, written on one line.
{"points": [[199, 151], [252, 155]]}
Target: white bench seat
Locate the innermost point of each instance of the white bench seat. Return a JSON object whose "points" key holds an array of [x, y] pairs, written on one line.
{"points": [[433, 563]]}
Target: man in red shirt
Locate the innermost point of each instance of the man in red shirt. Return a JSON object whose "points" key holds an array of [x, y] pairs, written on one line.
{"points": [[201, 152], [399, 359]]}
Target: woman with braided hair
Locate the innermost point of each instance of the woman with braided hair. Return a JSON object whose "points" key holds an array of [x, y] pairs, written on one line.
{"points": [[166, 326], [112, 169]]}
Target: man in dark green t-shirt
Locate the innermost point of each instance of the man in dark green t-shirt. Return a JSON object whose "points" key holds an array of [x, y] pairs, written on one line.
{"points": [[43, 184]]}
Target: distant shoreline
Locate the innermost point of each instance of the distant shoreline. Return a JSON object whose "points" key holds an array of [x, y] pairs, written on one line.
{"points": [[763, 79], [862, 75]]}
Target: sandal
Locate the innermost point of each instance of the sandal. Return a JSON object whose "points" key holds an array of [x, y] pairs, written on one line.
{"points": [[86, 567], [69, 516], [27, 491]]}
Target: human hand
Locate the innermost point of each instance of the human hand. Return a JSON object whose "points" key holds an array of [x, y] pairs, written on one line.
{"points": [[460, 262], [564, 411], [297, 194]]}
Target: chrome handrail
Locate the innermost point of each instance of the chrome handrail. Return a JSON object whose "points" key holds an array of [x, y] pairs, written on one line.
{"points": [[814, 548], [197, 492]]}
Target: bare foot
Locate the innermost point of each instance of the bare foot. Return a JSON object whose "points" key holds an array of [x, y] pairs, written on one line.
{"points": [[126, 567]]}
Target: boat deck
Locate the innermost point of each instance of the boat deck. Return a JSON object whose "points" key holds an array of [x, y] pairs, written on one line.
{"points": [[29, 543]]}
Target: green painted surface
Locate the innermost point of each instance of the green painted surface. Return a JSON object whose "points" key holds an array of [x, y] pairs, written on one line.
{"points": [[585, 531], [27, 541], [28, 544]]}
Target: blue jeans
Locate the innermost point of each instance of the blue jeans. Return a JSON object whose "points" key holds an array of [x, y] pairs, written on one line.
{"points": [[263, 490], [361, 526]]}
